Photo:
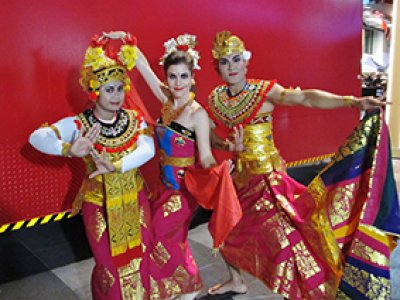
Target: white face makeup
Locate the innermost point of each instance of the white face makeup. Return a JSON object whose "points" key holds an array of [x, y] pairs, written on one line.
{"points": [[179, 80], [233, 68], [111, 96]]}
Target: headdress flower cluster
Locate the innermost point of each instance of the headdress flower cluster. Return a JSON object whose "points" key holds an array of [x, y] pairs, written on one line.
{"points": [[185, 42], [103, 64]]}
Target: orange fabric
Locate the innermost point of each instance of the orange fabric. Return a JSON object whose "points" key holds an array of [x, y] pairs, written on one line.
{"points": [[213, 188]]}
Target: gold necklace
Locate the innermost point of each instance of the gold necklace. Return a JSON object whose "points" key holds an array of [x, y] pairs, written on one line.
{"points": [[169, 114]]}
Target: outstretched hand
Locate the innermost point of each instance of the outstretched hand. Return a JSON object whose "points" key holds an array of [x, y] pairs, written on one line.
{"points": [[115, 35], [103, 163], [237, 144], [84, 143], [369, 102]]}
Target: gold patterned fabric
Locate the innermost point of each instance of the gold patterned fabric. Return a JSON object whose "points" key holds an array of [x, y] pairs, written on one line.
{"points": [[104, 279], [286, 241], [123, 210], [97, 225], [175, 161], [356, 199], [261, 155], [131, 281], [173, 204]]}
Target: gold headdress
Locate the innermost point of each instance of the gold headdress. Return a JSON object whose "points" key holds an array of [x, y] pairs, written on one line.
{"points": [[227, 44], [102, 64], [185, 42]]}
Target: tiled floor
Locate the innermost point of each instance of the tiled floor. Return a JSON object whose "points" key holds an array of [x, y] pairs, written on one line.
{"points": [[73, 281]]}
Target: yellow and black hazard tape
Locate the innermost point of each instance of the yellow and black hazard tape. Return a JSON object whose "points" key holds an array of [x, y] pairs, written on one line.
{"points": [[310, 160], [67, 214], [35, 221]]}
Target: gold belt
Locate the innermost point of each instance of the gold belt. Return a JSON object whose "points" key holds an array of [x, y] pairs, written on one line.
{"points": [[176, 161], [260, 165]]}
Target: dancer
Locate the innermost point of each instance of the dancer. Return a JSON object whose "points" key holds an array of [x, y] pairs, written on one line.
{"points": [[181, 134], [113, 142], [294, 237]]}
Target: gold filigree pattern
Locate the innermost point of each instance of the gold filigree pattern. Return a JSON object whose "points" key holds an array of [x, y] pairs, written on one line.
{"points": [[143, 218], [97, 225], [123, 210], [263, 204], [306, 264], [275, 179], [340, 295], [340, 208], [160, 255], [284, 202], [181, 275], [359, 137], [254, 190], [279, 228], [176, 161], [285, 275], [371, 286], [173, 205], [130, 281], [105, 279], [364, 251], [154, 290], [261, 155], [179, 279], [321, 224]]}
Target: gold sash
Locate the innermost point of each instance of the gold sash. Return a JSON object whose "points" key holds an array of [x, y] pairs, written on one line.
{"points": [[260, 155], [176, 161]]}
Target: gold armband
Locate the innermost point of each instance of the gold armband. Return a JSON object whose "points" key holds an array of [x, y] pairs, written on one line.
{"points": [[147, 131], [348, 101], [65, 149], [283, 94], [117, 165]]}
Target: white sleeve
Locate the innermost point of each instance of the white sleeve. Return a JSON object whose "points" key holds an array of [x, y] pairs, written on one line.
{"points": [[50, 139], [142, 154]]}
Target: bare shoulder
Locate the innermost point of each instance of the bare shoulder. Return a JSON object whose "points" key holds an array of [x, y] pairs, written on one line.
{"points": [[197, 111]]}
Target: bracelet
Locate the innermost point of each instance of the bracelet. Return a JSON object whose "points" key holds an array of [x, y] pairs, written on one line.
{"points": [[348, 101], [283, 94], [65, 149]]}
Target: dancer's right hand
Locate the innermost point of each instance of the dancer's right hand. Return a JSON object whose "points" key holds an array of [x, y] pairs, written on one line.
{"points": [[84, 143], [237, 144]]}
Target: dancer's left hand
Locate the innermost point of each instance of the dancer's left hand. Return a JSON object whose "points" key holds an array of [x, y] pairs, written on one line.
{"points": [[364, 103], [103, 163]]}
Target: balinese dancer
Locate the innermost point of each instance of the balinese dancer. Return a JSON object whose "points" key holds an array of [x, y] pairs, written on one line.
{"points": [[184, 142], [113, 142], [300, 240]]}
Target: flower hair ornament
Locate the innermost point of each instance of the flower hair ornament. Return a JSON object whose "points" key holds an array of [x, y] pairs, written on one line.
{"points": [[186, 43], [104, 63], [226, 44]]}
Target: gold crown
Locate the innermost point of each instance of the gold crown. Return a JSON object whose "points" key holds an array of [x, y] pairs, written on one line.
{"points": [[91, 81], [226, 44], [102, 65]]}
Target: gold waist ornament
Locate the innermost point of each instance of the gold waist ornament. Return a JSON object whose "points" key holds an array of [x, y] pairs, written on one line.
{"points": [[176, 161], [260, 155]]}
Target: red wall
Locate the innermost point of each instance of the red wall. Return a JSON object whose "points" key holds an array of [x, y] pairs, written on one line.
{"points": [[313, 43]]}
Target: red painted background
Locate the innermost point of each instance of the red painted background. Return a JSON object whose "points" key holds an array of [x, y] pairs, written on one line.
{"points": [[313, 44]]}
